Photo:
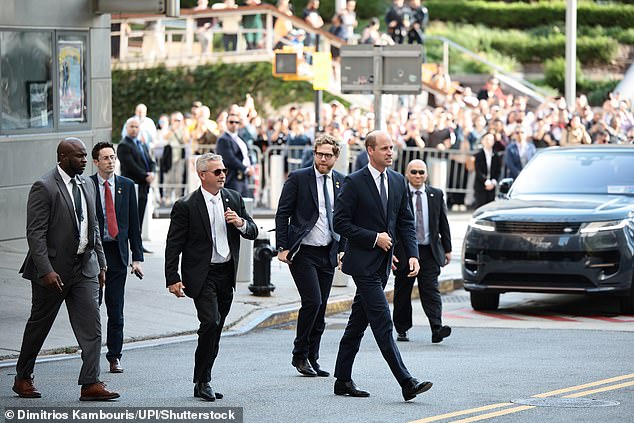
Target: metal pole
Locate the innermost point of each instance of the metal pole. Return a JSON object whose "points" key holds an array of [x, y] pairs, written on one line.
{"points": [[445, 56], [319, 95], [571, 52], [378, 81]]}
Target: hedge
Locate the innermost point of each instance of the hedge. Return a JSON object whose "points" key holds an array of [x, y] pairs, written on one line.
{"points": [[217, 86], [528, 15]]}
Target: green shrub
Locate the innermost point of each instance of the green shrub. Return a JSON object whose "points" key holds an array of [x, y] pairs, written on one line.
{"points": [[555, 73]]}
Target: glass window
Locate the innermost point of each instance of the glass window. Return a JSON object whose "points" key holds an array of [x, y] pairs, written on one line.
{"points": [[71, 58], [26, 80]]}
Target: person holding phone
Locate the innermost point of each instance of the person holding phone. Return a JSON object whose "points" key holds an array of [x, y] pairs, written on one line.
{"points": [[119, 228]]}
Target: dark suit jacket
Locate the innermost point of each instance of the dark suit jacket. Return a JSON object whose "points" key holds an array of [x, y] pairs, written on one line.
{"points": [[126, 209], [298, 210], [189, 235], [482, 173], [439, 233], [132, 164], [232, 158], [359, 217], [51, 230]]}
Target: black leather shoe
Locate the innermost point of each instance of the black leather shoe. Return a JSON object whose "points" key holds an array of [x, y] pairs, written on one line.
{"points": [[440, 334], [402, 337], [349, 388], [203, 390], [303, 366], [414, 387], [317, 368]]}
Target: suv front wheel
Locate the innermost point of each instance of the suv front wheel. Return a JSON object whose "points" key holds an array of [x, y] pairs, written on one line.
{"points": [[485, 301]]}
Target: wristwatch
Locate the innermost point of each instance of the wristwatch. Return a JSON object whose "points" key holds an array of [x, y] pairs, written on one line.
{"points": [[105, 268], [280, 249]]}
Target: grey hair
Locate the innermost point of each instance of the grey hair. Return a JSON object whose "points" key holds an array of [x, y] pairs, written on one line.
{"points": [[132, 119], [201, 162]]}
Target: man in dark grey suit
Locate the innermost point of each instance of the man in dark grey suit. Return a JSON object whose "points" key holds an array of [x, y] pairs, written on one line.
{"points": [[307, 242], [372, 211], [434, 248], [205, 230], [65, 263]]}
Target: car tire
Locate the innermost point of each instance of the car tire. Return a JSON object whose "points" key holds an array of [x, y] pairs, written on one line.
{"points": [[627, 302], [485, 301]]}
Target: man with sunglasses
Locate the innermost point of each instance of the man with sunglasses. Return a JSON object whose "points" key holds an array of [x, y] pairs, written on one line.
{"points": [[205, 231], [235, 154], [307, 242], [434, 248]]}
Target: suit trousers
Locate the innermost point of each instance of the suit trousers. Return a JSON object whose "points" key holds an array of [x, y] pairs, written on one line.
{"points": [[142, 201], [114, 295], [427, 288], [313, 274], [370, 307], [212, 305], [81, 296]]}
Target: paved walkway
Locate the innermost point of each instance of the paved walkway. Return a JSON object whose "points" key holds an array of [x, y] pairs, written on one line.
{"points": [[153, 315]]}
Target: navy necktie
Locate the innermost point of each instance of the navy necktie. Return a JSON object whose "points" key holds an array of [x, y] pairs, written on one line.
{"points": [[143, 156], [383, 193]]}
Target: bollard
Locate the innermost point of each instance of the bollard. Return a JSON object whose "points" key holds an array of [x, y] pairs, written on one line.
{"points": [[245, 264], [263, 252]]}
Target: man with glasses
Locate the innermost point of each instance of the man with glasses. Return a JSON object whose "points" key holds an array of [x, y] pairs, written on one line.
{"points": [[119, 227], [205, 231], [235, 153], [434, 247], [307, 242]]}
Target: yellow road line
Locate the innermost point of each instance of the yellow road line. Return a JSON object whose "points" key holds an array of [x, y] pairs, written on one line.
{"points": [[604, 389], [495, 414], [586, 385], [462, 413]]}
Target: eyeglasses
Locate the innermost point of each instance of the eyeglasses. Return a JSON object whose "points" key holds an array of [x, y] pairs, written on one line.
{"points": [[326, 156], [109, 158], [234, 122], [217, 172], [419, 172]]}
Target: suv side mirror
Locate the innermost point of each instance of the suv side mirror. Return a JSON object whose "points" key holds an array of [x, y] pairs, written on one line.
{"points": [[505, 185]]}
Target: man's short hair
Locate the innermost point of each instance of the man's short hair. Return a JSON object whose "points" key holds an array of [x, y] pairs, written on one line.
{"points": [[201, 162], [327, 139], [370, 139], [100, 146]]}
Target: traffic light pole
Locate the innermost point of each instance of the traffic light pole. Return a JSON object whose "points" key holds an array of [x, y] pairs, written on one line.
{"points": [[319, 95], [377, 60]]}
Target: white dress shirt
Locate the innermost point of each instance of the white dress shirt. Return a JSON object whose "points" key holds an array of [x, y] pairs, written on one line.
{"points": [[376, 175], [83, 225], [320, 235]]}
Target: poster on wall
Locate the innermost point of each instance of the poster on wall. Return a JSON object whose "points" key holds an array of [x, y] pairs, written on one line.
{"points": [[38, 103], [71, 81]]}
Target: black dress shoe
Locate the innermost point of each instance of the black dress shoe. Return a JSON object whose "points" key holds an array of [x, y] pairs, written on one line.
{"points": [[414, 387], [303, 366], [317, 368], [203, 390], [402, 337], [349, 388], [440, 334]]}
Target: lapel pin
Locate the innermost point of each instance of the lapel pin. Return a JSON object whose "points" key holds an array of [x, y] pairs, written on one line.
{"points": [[119, 191], [337, 184]]}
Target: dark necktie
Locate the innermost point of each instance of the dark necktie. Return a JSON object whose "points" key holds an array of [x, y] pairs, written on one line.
{"points": [[420, 223], [111, 216], [77, 199], [334, 235], [383, 193], [143, 156]]}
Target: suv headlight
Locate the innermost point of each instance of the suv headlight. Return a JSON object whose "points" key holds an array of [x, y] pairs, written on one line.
{"points": [[482, 224], [608, 225]]}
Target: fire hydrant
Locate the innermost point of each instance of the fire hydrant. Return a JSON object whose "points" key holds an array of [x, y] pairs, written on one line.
{"points": [[263, 253]]}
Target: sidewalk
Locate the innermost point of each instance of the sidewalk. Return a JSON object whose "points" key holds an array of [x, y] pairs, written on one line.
{"points": [[152, 315]]}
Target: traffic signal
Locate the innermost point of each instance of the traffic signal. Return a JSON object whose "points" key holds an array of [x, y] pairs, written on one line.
{"points": [[285, 63]]}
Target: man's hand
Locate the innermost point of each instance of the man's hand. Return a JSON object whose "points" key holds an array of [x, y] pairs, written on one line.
{"points": [[53, 281], [384, 241], [102, 278], [447, 258], [414, 267], [233, 218], [137, 270], [394, 261], [250, 171], [283, 256], [149, 177], [177, 289], [340, 260]]}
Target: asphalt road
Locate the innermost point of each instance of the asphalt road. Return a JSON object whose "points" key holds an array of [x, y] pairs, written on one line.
{"points": [[474, 368]]}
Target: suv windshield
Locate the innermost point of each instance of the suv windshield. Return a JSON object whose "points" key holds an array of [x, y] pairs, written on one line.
{"points": [[577, 172]]}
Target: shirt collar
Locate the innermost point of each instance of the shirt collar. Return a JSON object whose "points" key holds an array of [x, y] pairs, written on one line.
{"points": [[412, 189], [318, 174], [102, 180], [209, 196], [65, 177], [375, 172]]}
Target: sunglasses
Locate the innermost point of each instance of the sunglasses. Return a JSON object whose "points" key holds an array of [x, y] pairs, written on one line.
{"points": [[414, 172], [326, 156], [217, 172], [234, 122]]}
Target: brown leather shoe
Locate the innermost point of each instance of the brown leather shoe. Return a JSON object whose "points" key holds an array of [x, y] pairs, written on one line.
{"points": [[25, 388], [115, 366], [96, 392]]}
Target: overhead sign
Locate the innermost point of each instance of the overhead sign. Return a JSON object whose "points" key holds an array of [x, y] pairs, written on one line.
{"points": [[322, 70]]}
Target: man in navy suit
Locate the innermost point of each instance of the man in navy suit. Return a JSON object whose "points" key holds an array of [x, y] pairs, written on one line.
{"points": [[434, 248], [372, 211], [307, 242], [235, 155], [119, 226], [136, 163], [205, 230]]}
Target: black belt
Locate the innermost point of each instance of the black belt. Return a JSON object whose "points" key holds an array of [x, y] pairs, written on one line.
{"points": [[220, 265], [315, 247]]}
